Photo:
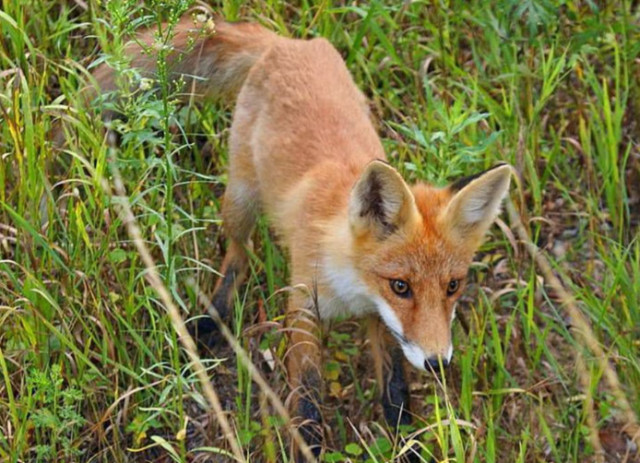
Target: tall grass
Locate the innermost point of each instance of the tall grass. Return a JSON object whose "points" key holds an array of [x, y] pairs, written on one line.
{"points": [[91, 367]]}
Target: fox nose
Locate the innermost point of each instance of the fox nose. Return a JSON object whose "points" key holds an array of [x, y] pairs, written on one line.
{"points": [[433, 364]]}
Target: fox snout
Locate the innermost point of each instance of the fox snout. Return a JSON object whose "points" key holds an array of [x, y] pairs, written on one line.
{"points": [[425, 340], [425, 360], [436, 364]]}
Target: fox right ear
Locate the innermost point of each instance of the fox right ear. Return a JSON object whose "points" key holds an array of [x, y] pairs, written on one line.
{"points": [[476, 203], [380, 202]]}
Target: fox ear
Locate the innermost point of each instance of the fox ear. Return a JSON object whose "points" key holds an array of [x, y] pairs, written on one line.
{"points": [[476, 202], [380, 201]]}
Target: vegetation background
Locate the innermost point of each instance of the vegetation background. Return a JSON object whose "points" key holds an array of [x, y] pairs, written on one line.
{"points": [[91, 368]]}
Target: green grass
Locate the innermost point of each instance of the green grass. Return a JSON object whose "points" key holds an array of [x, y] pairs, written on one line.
{"points": [[90, 366]]}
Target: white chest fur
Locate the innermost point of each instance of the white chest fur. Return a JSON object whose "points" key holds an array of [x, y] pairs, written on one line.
{"points": [[347, 294]]}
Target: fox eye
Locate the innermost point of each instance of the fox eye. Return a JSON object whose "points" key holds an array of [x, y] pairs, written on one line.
{"points": [[453, 287], [401, 288]]}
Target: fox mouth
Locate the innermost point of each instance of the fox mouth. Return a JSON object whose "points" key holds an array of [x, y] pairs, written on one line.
{"points": [[412, 352], [416, 356]]}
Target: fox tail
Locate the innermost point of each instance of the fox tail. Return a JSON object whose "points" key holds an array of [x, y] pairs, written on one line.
{"points": [[212, 56]]}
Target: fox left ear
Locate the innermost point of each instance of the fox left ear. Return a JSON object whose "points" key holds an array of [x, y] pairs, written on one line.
{"points": [[476, 202], [381, 202]]}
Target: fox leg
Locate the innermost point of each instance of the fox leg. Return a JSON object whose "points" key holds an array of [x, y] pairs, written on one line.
{"points": [[304, 370], [239, 214], [389, 366]]}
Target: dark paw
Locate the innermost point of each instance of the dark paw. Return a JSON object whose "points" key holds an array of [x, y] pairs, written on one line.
{"points": [[205, 332], [311, 428], [310, 434], [396, 415], [413, 456], [395, 404]]}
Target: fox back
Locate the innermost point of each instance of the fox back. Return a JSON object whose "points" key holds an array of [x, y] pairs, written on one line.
{"points": [[303, 148]]}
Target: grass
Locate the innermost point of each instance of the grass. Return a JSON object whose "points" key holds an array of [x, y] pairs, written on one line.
{"points": [[91, 368]]}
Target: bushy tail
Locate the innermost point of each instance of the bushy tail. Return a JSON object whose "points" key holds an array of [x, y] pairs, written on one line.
{"points": [[213, 57]]}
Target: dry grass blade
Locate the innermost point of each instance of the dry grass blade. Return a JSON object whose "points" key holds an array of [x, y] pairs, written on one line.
{"points": [[187, 340], [176, 319], [255, 374]]}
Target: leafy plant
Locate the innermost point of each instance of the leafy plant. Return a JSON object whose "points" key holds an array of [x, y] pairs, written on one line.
{"points": [[56, 415]]}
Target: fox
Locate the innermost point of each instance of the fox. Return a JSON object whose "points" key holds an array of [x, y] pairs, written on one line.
{"points": [[361, 241]]}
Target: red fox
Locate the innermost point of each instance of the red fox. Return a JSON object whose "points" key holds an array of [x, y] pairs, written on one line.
{"points": [[361, 241]]}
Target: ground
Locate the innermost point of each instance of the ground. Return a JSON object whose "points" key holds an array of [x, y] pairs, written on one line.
{"points": [[91, 367]]}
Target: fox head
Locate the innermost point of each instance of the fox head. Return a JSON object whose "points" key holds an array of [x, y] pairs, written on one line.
{"points": [[412, 248]]}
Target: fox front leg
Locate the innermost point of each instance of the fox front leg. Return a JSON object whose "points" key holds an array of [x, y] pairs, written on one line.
{"points": [[303, 367], [394, 389], [389, 366]]}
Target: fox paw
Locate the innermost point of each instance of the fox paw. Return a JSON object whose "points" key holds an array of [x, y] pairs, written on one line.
{"points": [[205, 332], [311, 429], [413, 456]]}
